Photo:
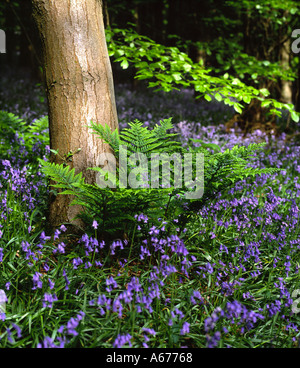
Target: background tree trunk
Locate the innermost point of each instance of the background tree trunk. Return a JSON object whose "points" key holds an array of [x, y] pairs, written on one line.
{"points": [[286, 93], [297, 94], [11, 39], [79, 87]]}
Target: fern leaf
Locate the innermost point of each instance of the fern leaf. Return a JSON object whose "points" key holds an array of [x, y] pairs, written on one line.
{"points": [[63, 176]]}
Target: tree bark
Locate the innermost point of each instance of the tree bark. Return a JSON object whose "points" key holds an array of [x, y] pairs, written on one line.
{"points": [[11, 39], [79, 87], [297, 94], [286, 86]]}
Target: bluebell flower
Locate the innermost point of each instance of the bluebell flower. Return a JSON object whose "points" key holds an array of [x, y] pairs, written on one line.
{"points": [[48, 300], [51, 284], [63, 228], [66, 279], [18, 329], [37, 282], [185, 328], [212, 341], [56, 234], [121, 340], [111, 284], [150, 331]]}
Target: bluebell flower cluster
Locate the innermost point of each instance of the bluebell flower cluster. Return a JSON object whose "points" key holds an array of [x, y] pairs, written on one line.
{"points": [[122, 340], [236, 313], [64, 330]]}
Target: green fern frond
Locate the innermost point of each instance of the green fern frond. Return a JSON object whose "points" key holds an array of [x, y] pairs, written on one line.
{"points": [[64, 176], [222, 170], [105, 133], [10, 121], [138, 138]]}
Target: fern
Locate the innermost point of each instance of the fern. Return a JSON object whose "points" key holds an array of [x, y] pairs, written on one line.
{"points": [[115, 208], [10, 127], [222, 170], [11, 122], [105, 133], [138, 138], [22, 143], [63, 176]]}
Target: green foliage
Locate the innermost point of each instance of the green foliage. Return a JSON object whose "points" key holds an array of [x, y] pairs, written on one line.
{"points": [[114, 206], [168, 68], [10, 125], [114, 210], [228, 56], [63, 175], [267, 9], [271, 23], [31, 137], [21, 146], [138, 138], [112, 138], [222, 170]]}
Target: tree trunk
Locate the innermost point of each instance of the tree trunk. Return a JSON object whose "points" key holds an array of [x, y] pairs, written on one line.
{"points": [[297, 94], [79, 86], [286, 86], [11, 39], [24, 18]]}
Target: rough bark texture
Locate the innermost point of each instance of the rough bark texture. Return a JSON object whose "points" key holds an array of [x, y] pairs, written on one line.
{"points": [[79, 86]]}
